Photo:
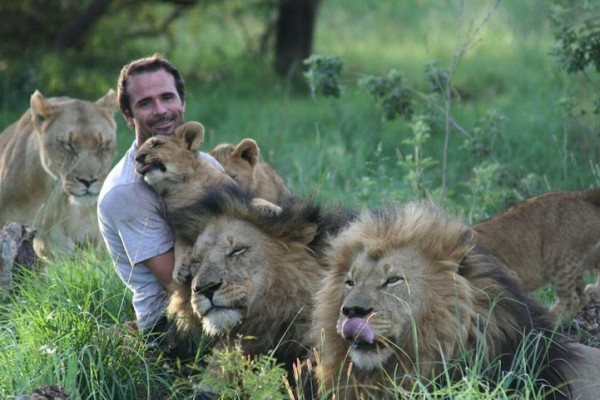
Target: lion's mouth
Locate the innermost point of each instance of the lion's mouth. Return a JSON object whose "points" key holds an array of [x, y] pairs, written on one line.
{"points": [[142, 169], [360, 334]]}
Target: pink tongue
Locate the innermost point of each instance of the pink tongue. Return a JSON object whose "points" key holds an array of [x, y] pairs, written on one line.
{"points": [[358, 329]]}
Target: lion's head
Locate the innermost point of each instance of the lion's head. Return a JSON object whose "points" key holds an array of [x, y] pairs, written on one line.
{"points": [[165, 161], [253, 272], [242, 162], [239, 161], [77, 142], [408, 293]]}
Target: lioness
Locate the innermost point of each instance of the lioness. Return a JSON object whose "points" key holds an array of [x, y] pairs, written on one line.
{"points": [[172, 166], [242, 162], [409, 296], [554, 238], [254, 273], [53, 161]]}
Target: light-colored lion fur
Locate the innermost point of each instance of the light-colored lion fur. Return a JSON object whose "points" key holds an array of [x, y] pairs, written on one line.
{"points": [[553, 238], [53, 162], [267, 265], [430, 297], [242, 162]]}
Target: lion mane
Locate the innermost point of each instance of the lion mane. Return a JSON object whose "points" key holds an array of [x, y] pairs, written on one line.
{"points": [[409, 295], [253, 272], [53, 162]]}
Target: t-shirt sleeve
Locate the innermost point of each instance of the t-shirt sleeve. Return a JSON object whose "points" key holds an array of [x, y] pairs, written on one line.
{"points": [[211, 160], [137, 216]]}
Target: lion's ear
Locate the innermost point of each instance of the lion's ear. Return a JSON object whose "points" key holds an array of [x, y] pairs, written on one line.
{"points": [[306, 234], [108, 102], [192, 134], [41, 110], [247, 150]]}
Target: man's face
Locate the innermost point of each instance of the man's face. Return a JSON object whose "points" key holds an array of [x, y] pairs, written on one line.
{"points": [[155, 104]]}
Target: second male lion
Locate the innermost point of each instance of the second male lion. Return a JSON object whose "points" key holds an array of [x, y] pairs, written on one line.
{"points": [[553, 238], [409, 296], [242, 162]]}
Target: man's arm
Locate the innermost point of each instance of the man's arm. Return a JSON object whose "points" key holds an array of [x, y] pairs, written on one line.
{"points": [[162, 267]]}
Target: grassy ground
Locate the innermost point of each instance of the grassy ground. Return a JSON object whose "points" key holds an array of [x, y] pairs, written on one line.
{"points": [[520, 140]]}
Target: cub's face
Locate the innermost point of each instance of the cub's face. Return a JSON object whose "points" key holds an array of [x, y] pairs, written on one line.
{"points": [[231, 274], [236, 166], [163, 161], [382, 298]]}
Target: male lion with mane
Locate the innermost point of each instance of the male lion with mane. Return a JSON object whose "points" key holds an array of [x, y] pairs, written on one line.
{"points": [[409, 296], [253, 272], [553, 238], [242, 162], [53, 162]]}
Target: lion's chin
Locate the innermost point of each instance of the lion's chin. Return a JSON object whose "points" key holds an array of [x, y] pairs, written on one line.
{"points": [[87, 199], [219, 321], [369, 359]]}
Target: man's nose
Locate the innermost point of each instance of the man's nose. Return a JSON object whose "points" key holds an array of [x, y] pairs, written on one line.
{"points": [[159, 107]]}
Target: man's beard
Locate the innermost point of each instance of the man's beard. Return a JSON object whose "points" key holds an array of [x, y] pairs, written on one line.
{"points": [[166, 117]]}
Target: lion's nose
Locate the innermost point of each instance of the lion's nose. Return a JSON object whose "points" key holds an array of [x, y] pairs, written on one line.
{"points": [[87, 182], [141, 158], [207, 289], [356, 311]]}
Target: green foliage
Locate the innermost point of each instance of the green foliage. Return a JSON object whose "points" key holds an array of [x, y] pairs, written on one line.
{"points": [[390, 94], [577, 34], [240, 377], [323, 75]]}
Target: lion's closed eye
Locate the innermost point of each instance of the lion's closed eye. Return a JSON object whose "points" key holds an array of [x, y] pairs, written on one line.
{"points": [[393, 281], [238, 250]]}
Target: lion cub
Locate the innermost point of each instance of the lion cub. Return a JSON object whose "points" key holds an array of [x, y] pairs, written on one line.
{"points": [[242, 163], [553, 238], [174, 168]]}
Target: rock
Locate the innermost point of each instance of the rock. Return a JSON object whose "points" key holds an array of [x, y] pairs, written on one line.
{"points": [[16, 250]]}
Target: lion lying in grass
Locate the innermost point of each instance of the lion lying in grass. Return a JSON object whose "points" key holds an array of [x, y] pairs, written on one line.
{"points": [[409, 296], [53, 161], [254, 273], [242, 162], [554, 238]]}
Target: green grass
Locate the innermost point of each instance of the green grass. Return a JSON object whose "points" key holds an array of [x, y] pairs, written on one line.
{"points": [[58, 327]]}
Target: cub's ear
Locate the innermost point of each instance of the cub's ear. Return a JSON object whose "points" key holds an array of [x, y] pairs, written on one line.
{"points": [[41, 110], [247, 150], [192, 134], [306, 233], [108, 102]]}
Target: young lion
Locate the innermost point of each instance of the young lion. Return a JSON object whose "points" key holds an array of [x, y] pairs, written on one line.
{"points": [[172, 166], [242, 163], [554, 238], [408, 297], [53, 162]]}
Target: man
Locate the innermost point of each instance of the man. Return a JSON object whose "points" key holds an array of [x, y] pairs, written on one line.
{"points": [[132, 217]]}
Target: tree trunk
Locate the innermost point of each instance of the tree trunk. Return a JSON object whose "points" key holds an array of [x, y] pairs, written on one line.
{"points": [[295, 31], [74, 33]]}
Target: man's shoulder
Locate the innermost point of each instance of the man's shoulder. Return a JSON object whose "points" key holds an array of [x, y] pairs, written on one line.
{"points": [[211, 160]]}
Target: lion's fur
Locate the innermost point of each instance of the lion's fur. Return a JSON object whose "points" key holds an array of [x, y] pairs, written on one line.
{"points": [[445, 298], [173, 167], [242, 162], [272, 279], [53, 161], [553, 238]]}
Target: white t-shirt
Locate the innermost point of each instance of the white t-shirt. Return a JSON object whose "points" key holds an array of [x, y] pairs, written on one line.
{"points": [[133, 222]]}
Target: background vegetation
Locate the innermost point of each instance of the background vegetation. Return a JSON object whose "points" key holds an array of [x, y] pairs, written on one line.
{"points": [[502, 107]]}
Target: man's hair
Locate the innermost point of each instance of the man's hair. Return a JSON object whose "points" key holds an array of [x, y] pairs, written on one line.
{"points": [[153, 63]]}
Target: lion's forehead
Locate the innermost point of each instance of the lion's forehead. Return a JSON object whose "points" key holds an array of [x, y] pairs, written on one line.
{"points": [[371, 266]]}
